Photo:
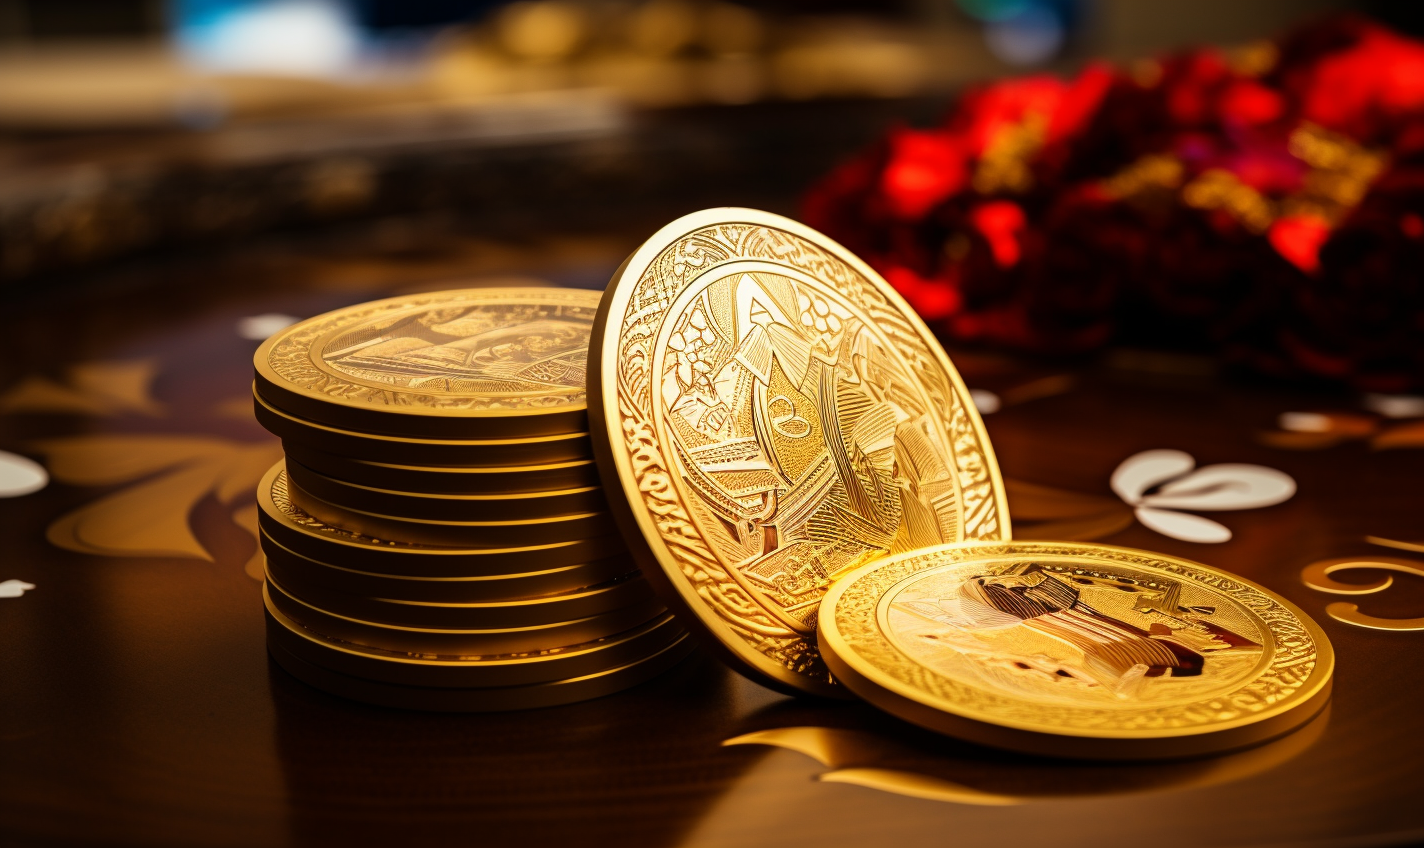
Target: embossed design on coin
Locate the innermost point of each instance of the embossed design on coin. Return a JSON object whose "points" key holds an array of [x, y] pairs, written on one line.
{"points": [[482, 353], [1075, 641], [502, 348], [778, 416]]}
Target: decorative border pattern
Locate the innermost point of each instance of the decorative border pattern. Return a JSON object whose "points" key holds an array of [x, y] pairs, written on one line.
{"points": [[1294, 661], [675, 267], [290, 354]]}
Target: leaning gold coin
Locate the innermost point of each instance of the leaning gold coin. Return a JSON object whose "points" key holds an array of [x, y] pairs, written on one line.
{"points": [[776, 414], [482, 363], [1075, 650]]}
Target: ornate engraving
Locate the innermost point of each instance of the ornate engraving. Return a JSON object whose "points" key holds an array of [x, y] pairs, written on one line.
{"points": [[785, 422], [1115, 641], [476, 349]]}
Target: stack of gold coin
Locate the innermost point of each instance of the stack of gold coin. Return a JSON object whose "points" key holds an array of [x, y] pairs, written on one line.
{"points": [[437, 536]]}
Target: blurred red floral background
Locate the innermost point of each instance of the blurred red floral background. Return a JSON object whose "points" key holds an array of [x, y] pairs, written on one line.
{"points": [[1266, 203]]}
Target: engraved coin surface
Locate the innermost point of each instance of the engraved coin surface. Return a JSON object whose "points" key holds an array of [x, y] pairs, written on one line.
{"points": [[776, 415], [471, 363], [1075, 649]]}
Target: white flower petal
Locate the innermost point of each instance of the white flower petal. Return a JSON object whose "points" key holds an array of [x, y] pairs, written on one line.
{"points": [[1181, 525], [1304, 422], [1396, 406], [1142, 471], [985, 401], [14, 588], [1225, 486], [259, 327], [20, 475]]}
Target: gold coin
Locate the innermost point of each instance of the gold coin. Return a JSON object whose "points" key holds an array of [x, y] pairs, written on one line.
{"points": [[435, 641], [437, 507], [308, 577], [601, 599], [516, 669], [300, 532], [499, 363], [457, 480], [777, 414], [1078, 650], [436, 699], [468, 534], [568, 447]]}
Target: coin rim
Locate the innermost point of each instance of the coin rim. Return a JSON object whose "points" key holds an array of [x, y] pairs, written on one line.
{"points": [[381, 556], [417, 450], [420, 420], [642, 536], [890, 695]]}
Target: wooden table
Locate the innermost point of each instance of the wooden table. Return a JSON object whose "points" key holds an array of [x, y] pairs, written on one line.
{"points": [[138, 705]]}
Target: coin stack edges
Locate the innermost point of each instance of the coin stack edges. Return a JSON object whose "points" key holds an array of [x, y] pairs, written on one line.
{"points": [[437, 537]]}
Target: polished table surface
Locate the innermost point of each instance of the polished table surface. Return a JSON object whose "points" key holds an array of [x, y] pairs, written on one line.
{"points": [[138, 705]]}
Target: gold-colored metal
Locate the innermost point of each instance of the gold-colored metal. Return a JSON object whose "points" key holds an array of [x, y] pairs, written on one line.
{"points": [[436, 699], [434, 641], [1073, 649], [310, 578], [602, 599], [300, 532], [513, 669], [498, 363], [467, 534], [777, 414], [438, 507], [494, 453], [457, 480]]}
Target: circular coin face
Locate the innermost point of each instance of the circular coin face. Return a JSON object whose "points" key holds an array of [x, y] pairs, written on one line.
{"points": [[471, 363], [1075, 650], [776, 414]]}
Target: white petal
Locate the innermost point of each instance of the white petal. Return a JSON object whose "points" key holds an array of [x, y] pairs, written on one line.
{"points": [[1180, 525], [14, 588], [1304, 422], [985, 401], [1225, 486], [1396, 406], [1142, 471], [259, 327], [20, 476]]}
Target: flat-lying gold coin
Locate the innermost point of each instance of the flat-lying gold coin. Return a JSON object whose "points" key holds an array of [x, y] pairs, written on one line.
{"points": [[436, 699], [309, 577], [495, 453], [465, 534], [777, 414], [1077, 650], [300, 532], [549, 610], [494, 363], [456, 480], [438, 507], [435, 641], [517, 669]]}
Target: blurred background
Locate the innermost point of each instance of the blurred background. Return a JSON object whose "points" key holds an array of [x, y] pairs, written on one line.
{"points": [[129, 126]]}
